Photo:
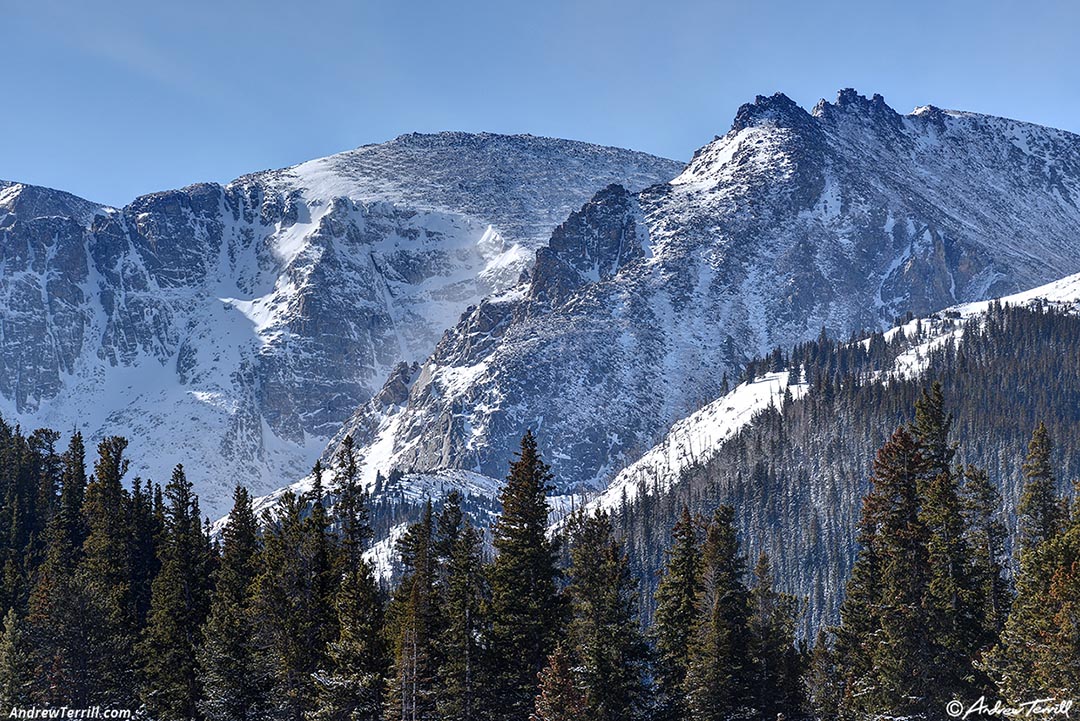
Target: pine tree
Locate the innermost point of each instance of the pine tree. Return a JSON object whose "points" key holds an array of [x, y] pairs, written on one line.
{"points": [[233, 681], [178, 607], [774, 664], [59, 608], [985, 536], [716, 679], [463, 673], [560, 698], [931, 431], [673, 621], [525, 609], [16, 665], [289, 608], [1039, 511], [351, 686], [882, 649], [105, 572], [321, 554], [416, 625], [604, 632]]}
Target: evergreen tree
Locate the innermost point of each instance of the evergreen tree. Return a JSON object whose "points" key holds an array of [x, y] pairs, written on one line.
{"points": [[233, 680], [321, 554], [289, 608], [716, 679], [673, 621], [1040, 511], [105, 572], [985, 535], [951, 603], [178, 607], [525, 609], [463, 678], [146, 534], [560, 698], [1039, 652], [16, 666], [931, 431], [882, 648], [351, 687], [774, 663], [604, 632], [59, 608], [416, 625]]}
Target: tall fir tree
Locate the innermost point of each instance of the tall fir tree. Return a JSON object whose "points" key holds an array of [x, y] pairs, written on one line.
{"points": [[416, 625], [604, 634], [774, 662], [290, 609], [526, 612], [560, 698], [59, 608], [178, 607], [986, 535], [716, 678], [231, 674], [16, 665], [1040, 510], [1041, 642], [463, 674], [882, 651], [106, 572], [673, 621], [351, 685]]}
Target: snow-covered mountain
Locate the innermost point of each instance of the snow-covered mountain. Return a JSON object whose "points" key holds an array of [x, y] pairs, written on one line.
{"points": [[234, 328], [840, 218]]}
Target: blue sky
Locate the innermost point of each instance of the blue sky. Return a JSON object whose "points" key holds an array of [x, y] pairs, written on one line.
{"points": [[113, 99]]}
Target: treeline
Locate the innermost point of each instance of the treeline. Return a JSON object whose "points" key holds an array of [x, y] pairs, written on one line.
{"points": [[119, 597]]}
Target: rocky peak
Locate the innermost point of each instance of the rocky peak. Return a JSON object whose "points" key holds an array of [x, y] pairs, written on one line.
{"points": [[777, 110], [592, 245]]}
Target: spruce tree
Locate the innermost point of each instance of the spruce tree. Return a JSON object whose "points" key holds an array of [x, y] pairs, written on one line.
{"points": [[560, 698], [883, 652], [525, 609], [16, 665], [233, 680], [416, 625], [985, 536], [604, 633], [290, 608], [716, 679], [676, 599], [774, 663], [59, 608], [105, 572], [178, 607], [351, 685], [951, 602], [463, 677], [1039, 510]]}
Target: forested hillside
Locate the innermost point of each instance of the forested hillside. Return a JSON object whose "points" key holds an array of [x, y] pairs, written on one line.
{"points": [[796, 474]]}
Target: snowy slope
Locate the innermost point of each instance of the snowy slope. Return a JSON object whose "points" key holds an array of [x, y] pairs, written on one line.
{"points": [[694, 439], [841, 218], [234, 328]]}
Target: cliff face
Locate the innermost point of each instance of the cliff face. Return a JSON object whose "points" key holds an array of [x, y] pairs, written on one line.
{"points": [[234, 328]]}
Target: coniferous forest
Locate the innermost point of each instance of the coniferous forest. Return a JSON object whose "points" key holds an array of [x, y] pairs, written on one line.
{"points": [[117, 594]]}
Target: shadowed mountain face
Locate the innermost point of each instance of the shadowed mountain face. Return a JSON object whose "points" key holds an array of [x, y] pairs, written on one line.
{"points": [[843, 217], [234, 328]]}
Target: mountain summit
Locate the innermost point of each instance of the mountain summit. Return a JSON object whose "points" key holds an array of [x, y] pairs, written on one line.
{"points": [[842, 218], [234, 328]]}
